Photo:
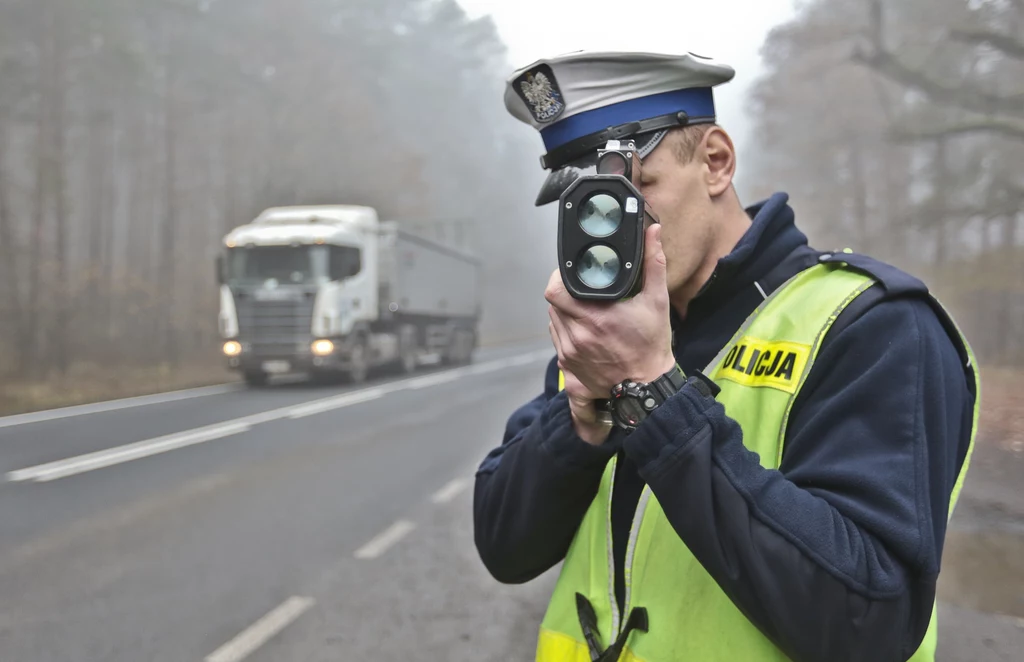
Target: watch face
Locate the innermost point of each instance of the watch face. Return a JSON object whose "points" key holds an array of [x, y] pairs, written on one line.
{"points": [[629, 405], [630, 411]]}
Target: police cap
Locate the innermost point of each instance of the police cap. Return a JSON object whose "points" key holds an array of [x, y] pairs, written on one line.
{"points": [[580, 100]]}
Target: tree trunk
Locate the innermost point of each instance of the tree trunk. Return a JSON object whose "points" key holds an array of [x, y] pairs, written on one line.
{"points": [[63, 300], [941, 198], [230, 164], [109, 207], [95, 169], [894, 168], [30, 357], [9, 253], [168, 234], [140, 187], [860, 199]]}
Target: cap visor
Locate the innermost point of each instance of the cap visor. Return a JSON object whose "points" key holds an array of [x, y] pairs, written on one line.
{"points": [[559, 180]]}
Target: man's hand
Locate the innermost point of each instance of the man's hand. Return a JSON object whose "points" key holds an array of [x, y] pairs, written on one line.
{"points": [[600, 344], [585, 417]]}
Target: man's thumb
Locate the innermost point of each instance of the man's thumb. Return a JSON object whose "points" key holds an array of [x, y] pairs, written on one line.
{"points": [[654, 259]]}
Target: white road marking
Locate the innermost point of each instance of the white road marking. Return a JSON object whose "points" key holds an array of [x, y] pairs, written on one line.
{"points": [[261, 631], [105, 458], [114, 405], [434, 380], [515, 361], [337, 402], [526, 359], [385, 539], [450, 491], [140, 449]]}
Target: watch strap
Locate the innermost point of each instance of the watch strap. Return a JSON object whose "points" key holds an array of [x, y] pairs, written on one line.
{"points": [[669, 383], [704, 385]]}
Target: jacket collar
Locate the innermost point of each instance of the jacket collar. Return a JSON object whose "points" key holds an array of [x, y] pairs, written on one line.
{"points": [[771, 238]]}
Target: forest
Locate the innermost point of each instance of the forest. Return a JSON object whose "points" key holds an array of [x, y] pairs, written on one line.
{"points": [[135, 134], [898, 129]]}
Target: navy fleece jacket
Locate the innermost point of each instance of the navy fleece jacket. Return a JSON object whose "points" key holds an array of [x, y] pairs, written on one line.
{"points": [[835, 555]]}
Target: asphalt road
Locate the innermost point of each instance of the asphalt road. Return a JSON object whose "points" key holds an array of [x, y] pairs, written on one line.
{"points": [[298, 523], [335, 518]]}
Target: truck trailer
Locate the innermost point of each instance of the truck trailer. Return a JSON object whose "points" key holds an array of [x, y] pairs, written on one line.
{"points": [[333, 289]]}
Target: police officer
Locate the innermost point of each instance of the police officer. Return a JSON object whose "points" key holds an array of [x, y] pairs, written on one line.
{"points": [[787, 496]]}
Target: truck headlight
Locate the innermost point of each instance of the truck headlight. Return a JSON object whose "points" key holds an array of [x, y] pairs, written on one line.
{"points": [[322, 347], [232, 348]]}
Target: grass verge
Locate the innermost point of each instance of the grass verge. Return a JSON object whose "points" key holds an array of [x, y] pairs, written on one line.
{"points": [[85, 384]]}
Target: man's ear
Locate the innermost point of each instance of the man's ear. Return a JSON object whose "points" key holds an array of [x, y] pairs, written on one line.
{"points": [[720, 158]]}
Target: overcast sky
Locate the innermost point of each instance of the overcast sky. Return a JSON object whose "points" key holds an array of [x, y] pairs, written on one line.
{"points": [[728, 30]]}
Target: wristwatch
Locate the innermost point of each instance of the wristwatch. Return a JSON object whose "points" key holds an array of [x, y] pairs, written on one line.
{"points": [[632, 401]]}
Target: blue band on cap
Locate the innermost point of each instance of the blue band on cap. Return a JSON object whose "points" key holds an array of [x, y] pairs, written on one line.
{"points": [[697, 102]]}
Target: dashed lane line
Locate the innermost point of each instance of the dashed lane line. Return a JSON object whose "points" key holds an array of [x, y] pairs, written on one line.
{"points": [[385, 539], [450, 491], [260, 632]]}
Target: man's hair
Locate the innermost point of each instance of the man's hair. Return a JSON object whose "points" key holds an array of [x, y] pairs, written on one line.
{"points": [[687, 139]]}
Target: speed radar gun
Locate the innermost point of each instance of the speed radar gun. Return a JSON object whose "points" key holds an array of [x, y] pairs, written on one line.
{"points": [[602, 219]]}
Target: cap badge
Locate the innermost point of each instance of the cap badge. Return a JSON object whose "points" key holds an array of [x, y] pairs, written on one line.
{"points": [[539, 90]]}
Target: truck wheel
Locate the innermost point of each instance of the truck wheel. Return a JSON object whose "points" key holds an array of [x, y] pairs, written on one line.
{"points": [[460, 350], [359, 363], [255, 378], [469, 347], [407, 349]]}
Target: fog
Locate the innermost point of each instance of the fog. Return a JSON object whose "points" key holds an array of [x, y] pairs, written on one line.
{"points": [[898, 128], [134, 135]]}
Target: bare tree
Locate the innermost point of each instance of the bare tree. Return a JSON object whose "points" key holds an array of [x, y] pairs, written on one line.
{"points": [[908, 142]]}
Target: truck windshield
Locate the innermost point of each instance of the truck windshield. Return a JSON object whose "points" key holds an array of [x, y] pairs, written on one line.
{"points": [[297, 265]]}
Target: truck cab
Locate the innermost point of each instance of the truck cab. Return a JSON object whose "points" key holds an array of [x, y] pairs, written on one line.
{"points": [[301, 288]]}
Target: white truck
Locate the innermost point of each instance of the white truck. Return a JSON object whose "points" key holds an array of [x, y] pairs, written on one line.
{"points": [[327, 289]]}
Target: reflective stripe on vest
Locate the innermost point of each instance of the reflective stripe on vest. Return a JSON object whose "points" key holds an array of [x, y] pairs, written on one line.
{"points": [[688, 616]]}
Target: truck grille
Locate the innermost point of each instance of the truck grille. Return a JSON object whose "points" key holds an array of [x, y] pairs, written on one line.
{"points": [[275, 328]]}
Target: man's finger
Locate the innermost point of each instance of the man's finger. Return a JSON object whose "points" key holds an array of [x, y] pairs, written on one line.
{"points": [[555, 289], [577, 389], [565, 346], [655, 276], [554, 339], [559, 297]]}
